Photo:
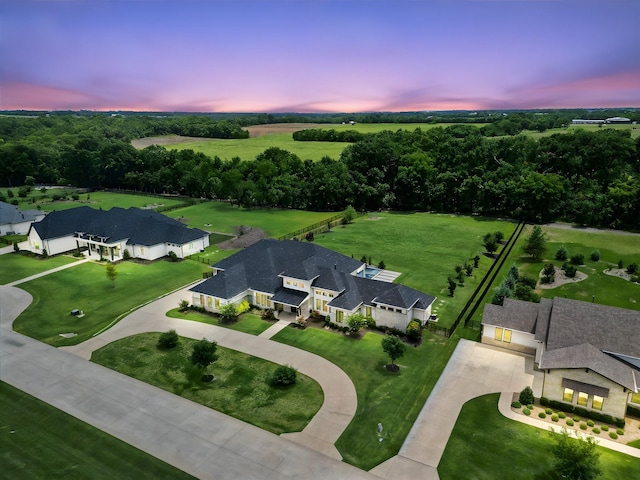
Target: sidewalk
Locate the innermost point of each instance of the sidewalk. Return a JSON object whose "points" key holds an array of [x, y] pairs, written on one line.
{"points": [[42, 274]]}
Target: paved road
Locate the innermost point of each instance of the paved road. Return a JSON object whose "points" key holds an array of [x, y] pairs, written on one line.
{"points": [[194, 438]]}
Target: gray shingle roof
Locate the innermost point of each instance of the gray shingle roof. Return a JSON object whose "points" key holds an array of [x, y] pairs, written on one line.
{"points": [[10, 214], [264, 261], [140, 227], [513, 314]]}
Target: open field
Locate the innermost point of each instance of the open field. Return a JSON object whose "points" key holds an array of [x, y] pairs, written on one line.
{"points": [[103, 200], [86, 287], [608, 290], [393, 399], [635, 130], [15, 266], [424, 247], [484, 445], [241, 387], [247, 323], [222, 217], [40, 441]]}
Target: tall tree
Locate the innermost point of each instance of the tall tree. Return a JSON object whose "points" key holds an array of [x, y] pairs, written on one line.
{"points": [[536, 243]]}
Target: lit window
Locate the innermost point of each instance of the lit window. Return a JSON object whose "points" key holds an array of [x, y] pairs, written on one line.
{"points": [[368, 311], [567, 396], [498, 334], [209, 302], [635, 398], [318, 304], [582, 399], [302, 285], [339, 316], [288, 282], [507, 336], [597, 402], [217, 302]]}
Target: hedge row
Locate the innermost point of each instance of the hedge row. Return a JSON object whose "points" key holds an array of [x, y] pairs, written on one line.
{"points": [[583, 412]]}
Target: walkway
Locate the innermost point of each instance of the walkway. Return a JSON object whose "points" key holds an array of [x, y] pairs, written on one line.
{"points": [[42, 274], [194, 438], [474, 369]]}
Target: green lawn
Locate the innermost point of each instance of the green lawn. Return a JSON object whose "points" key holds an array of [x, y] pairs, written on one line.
{"points": [[247, 323], [486, 445], [15, 266], [86, 287], [608, 290], [379, 127], [241, 387], [40, 441], [395, 400], [108, 200], [424, 247], [222, 217]]}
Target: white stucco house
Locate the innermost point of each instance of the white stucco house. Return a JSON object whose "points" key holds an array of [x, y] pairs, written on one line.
{"points": [[590, 353], [108, 234], [302, 278], [16, 221]]}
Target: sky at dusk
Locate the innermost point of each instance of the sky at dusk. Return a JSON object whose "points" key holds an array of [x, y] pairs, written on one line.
{"points": [[318, 55]]}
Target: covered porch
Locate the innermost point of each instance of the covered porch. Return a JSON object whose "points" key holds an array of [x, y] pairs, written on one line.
{"points": [[290, 301]]}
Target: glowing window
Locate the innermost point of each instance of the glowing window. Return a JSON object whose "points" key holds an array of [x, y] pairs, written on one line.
{"points": [[597, 402], [583, 398], [567, 396]]}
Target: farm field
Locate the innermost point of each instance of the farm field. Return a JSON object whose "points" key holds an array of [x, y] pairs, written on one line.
{"points": [[15, 266], [635, 130], [222, 217], [48, 443], [424, 247], [241, 387], [86, 287], [608, 290], [484, 445], [393, 399]]}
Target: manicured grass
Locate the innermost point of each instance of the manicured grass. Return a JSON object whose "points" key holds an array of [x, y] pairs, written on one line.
{"points": [[247, 323], [486, 445], [222, 217], [424, 247], [86, 287], [104, 200], [15, 266], [608, 290], [250, 148], [241, 387], [379, 127], [40, 441], [393, 399], [215, 238]]}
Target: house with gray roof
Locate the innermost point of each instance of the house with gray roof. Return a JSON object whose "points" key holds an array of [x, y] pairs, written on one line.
{"points": [[16, 221], [590, 353], [108, 234], [301, 278]]}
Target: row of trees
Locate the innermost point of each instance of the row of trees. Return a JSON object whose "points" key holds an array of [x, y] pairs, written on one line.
{"points": [[589, 177]]}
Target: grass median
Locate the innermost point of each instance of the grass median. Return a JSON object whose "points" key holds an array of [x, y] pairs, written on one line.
{"points": [[246, 323], [241, 387]]}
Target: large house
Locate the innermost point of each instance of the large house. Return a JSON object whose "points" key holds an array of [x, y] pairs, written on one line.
{"points": [[590, 353], [16, 221], [108, 234], [302, 278]]}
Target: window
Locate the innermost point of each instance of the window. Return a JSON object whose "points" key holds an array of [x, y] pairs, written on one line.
{"points": [[507, 336], [498, 334], [288, 282], [318, 292], [597, 402], [141, 250], [368, 311], [635, 397], [302, 285], [295, 284], [217, 302], [324, 305], [202, 300], [331, 295], [209, 302], [339, 315], [318, 304], [567, 396], [582, 399]]}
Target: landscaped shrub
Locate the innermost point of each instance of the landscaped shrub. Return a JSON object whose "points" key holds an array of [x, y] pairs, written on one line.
{"points": [[544, 401], [569, 422], [620, 431], [548, 411], [526, 411], [168, 339], [620, 264], [632, 268], [613, 435], [548, 273], [554, 418], [596, 430], [569, 270], [576, 419], [577, 259], [172, 256], [183, 306], [284, 375], [633, 411], [590, 423], [244, 307], [526, 396], [542, 415], [562, 415], [604, 428], [414, 330], [595, 255], [267, 314], [530, 407], [619, 422], [583, 426], [126, 255], [562, 253], [516, 404]]}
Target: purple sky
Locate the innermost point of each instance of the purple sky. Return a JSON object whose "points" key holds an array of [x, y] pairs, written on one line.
{"points": [[318, 55]]}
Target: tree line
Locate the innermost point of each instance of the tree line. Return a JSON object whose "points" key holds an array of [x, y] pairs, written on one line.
{"points": [[588, 177]]}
